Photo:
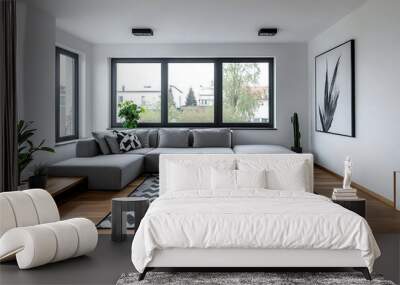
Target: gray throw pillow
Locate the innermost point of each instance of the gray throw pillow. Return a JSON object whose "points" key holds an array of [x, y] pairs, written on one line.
{"points": [[113, 143], [143, 136], [211, 137], [173, 138], [100, 139]]}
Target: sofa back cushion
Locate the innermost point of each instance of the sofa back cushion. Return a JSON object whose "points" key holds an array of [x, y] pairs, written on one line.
{"points": [[211, 137], [173, 138], [87, 148], [113, 143], [101, 141], [153, 138]]}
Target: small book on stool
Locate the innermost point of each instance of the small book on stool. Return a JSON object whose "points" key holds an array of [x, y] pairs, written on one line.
{"points": [[344, 194]]}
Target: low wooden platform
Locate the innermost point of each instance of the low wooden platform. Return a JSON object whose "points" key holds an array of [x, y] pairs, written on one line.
{"points": [[58, 185]]}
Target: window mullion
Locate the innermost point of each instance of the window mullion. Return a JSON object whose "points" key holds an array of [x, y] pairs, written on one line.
{"points": [[164, 93], [218, 92]]}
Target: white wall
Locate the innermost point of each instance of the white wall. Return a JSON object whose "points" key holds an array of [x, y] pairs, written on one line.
{"points": [[37, 36], [291, 81], [375, 150]]}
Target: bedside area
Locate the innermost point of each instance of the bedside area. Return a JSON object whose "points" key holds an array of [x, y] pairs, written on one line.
{"points": [[358, 206]]}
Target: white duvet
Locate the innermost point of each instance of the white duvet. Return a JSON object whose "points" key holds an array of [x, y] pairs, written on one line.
{"points": [[250, 219]]}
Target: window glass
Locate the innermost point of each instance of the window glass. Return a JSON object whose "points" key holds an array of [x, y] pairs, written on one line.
{"points": [[190, 92], [66, 95], [245, 94], [140, 83]]}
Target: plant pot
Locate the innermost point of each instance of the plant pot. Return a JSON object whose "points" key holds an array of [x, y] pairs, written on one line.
{"points": [[23, 186], [297, 149], [39, 181]]}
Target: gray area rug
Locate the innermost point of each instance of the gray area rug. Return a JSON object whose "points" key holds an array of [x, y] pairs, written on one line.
{"points": [[148, 189], [228, 278]]}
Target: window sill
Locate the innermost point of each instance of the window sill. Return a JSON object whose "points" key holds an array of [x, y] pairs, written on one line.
{"points": [[198, 127], [253, 128], [66, 142]]}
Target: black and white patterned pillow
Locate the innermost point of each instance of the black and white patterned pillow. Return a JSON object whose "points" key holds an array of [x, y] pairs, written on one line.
{"points": [[127, 141]]}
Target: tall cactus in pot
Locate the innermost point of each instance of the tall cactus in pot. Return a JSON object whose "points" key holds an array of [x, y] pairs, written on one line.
{"points": [[296, 134]]}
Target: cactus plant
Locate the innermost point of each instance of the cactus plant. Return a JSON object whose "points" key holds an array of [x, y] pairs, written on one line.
{"points": [[296, 134]]}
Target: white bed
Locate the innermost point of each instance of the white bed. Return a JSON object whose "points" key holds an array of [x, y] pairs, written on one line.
{"points": [[194, 224]]}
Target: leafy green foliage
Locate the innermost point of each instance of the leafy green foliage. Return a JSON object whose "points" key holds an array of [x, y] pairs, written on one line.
{"points": [[331, 96], [240, 102], [191, 114], [26, 147], [190, 98], [130, 113]]}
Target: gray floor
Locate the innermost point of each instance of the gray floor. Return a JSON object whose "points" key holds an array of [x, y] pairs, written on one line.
{"points": [[103, 266], [110, 260]]}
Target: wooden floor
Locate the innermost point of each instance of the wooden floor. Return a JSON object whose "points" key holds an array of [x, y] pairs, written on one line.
{"points": [[381, 217], [94, 205]]}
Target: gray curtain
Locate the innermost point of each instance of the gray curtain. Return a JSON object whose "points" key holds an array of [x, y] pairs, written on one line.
{"points": [[8, 104]]}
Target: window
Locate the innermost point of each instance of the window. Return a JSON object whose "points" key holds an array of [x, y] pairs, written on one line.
{"points": [[212, 92], [245, 92], [67, 95], [190, 85], [140, 83]]}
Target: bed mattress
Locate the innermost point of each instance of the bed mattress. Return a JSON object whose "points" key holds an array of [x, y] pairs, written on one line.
{"points": [[251, 219]]}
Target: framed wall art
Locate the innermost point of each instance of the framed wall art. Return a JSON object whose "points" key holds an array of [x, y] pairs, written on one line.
{"points": [[335, 91]]}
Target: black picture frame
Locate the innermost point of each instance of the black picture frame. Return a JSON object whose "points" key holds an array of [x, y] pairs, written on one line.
{"points": [[75, 57], [218, 62], [351, 73]]}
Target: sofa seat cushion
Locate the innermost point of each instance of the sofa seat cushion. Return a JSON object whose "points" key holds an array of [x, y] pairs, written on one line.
{"points": [[152, 158], [260, 149], [103, 171], [141, 151]]}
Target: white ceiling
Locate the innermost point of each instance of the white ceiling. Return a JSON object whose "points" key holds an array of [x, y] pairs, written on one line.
{"points": [[200, 21]]}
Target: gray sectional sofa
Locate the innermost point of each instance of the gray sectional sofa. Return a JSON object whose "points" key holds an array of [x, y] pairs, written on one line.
{"points": [[115, 171]]}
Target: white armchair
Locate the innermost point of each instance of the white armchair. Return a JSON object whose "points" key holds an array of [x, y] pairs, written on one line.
{"points": [[31, 230]]}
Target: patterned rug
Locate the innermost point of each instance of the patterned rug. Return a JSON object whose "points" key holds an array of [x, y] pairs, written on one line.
{"points": [[243, 278], [148, 189]]}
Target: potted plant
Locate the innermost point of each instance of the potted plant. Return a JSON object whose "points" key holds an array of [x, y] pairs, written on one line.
{"points": [[39, 177], [26, 148], [130, 113], [296, 134]]}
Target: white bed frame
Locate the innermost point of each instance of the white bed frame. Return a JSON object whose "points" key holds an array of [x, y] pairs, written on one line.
{"points": [[252, 258]]}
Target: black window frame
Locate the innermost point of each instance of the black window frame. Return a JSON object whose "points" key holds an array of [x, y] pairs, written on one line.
{"points": [[75, 57], [218, 100]]}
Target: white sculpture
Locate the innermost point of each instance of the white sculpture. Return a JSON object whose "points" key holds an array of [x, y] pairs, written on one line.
{"points": [[347, 173]]}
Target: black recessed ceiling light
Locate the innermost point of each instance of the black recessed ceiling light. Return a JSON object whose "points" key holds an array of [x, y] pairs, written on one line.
{"points": [[142, 32], [267, 32]]}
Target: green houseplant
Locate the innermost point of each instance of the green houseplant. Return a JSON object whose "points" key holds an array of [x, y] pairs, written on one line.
{"points": [[39, 177], [26, 148], [296, 134], [130, 113]]}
